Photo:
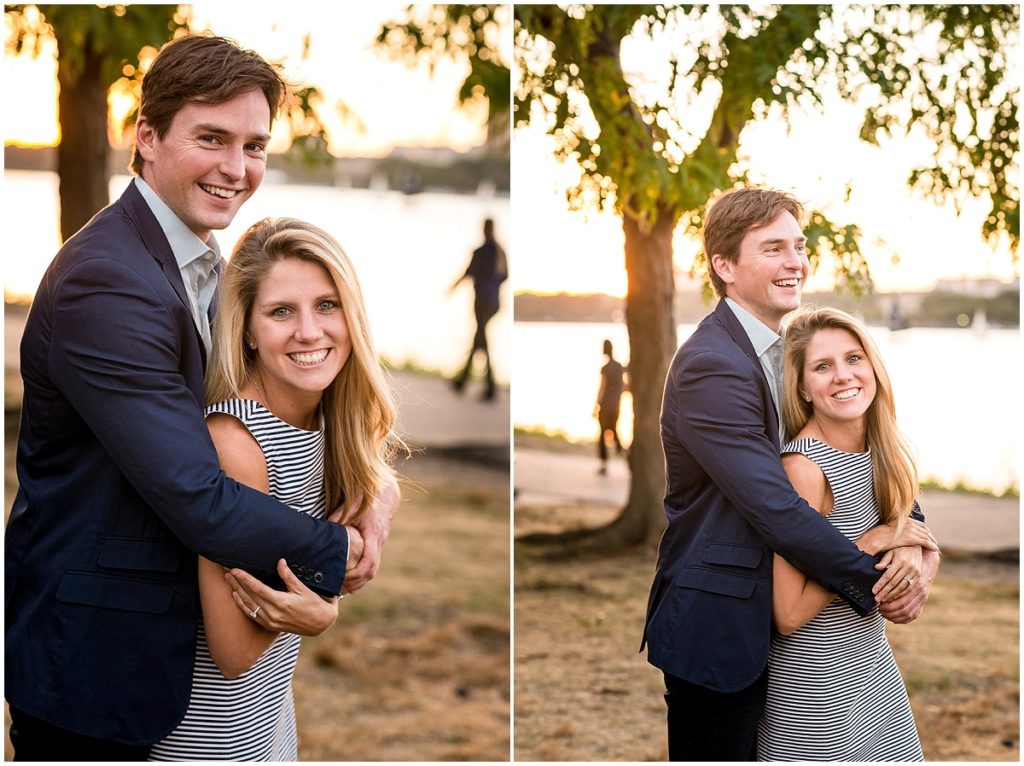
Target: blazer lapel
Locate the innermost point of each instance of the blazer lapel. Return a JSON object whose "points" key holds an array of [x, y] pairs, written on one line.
{"points": [[732, 325], [158, 246]]}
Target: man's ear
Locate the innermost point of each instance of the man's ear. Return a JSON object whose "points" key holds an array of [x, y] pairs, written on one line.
{"points": [[723, 268], [145, 139]]}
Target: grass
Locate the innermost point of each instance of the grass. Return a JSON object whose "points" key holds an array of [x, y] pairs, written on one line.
{"points": [[590, 694], [418, 665]]}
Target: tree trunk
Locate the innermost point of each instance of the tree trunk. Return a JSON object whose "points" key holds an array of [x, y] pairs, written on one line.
{"points": [[652, 341], [84, 149], [651, 325]]}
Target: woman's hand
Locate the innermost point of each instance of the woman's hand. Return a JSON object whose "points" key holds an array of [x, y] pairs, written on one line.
{"points": [[296, 610], [884, 537], [903, 567]]}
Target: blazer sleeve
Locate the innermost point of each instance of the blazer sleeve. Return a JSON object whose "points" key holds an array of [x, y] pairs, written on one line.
{"points": [[720, 421], [115, 355]]}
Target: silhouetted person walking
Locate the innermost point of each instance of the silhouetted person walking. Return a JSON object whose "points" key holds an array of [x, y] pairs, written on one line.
{"points": [[488, 269], [609, 396]]}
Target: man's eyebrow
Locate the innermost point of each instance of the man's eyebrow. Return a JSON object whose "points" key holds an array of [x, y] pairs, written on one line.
{"points": [[783, 240], [217, 130]]}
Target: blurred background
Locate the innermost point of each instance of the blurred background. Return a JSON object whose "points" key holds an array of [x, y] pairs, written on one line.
{"points": [[897, 127], [379, 152], [396, 141], [935, 276]]}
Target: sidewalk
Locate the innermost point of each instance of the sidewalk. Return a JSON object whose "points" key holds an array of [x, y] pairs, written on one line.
{"points": [[432, 416], [961, 522]]}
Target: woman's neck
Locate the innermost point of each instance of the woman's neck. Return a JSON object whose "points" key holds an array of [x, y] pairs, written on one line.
{"points": [[299, 411], [843, 435]]}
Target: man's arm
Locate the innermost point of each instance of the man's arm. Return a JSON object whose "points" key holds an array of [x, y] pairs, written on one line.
{"points": [[720, 421], [116, 357]]}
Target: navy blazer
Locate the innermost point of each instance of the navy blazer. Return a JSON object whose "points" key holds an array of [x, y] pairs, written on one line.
{"points": [[120, 487], [729, 506]]}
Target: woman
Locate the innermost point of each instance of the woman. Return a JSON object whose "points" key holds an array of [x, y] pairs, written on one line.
{"points": [[298, 407], [834, 690]]}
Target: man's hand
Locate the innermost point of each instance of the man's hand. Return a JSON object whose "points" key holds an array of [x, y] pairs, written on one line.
{"points": [[375, 528], [908, 607], [355, 548], [296, 610], [903, 567]]}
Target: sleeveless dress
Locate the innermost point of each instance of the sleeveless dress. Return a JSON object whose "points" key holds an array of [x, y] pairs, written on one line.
{"points": [[834, 690], [252, 717]]}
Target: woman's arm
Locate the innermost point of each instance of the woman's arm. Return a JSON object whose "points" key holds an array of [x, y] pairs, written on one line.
{"points": [[795, 597], [236, 639]]}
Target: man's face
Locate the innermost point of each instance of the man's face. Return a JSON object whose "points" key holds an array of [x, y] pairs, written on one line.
{"points": [[211, 160], [768, 277]]}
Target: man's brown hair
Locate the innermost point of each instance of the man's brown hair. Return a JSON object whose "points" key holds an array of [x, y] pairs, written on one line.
{"points": [[735, 213], [203, 69]]}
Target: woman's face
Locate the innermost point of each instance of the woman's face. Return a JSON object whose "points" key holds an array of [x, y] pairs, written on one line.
{"points": [[300, 332], [837, 376]]}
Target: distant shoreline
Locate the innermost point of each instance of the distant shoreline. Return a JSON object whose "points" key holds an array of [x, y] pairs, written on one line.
{"points": [[978, 303]]}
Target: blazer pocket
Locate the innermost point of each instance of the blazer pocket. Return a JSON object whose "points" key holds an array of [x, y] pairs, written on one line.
{"points": [[716, 581], [140, 555], [733, 555], [115, 593]]}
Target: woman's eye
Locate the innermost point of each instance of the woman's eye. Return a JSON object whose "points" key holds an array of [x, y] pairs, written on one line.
{"points": [[280, 311], [327, 305]]}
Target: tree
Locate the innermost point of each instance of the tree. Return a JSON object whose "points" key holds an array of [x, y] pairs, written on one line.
{"points": [[642, 152], [97, 46], [470, 32], [100, 47]]}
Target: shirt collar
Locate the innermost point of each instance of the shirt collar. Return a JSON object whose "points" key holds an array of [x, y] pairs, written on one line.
{"points": [[185, 245], [761, 336]]}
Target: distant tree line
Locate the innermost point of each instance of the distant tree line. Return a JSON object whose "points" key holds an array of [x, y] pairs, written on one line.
{"points": [[938, 308]]}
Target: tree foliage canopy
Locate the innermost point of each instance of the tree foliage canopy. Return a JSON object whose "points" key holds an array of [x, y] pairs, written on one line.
{"points": [[666, 138], [433, 33], [116, 33]]}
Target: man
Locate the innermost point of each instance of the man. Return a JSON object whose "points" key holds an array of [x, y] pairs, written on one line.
{"points": [[728, 501], [488, 269], [120, 485], [609, 396]]}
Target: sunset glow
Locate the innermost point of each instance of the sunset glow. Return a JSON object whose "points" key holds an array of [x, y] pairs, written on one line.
{"points": [[396, 105]]}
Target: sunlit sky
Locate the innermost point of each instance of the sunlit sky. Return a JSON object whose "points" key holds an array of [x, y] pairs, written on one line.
{"points": [[909, 242], [399, 106]]}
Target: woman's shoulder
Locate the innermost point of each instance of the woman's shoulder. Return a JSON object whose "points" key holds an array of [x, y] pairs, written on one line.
{"points": [[241, 455]]}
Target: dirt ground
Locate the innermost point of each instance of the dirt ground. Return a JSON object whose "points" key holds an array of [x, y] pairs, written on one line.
{"points": [[417, 667], [583, 692]]}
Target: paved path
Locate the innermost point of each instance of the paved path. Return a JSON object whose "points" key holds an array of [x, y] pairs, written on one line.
{"points": [[961, 522]]}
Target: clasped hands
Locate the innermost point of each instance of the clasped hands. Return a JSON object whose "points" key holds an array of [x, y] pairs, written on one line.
{"points": [[299, 610], [910, 560]]}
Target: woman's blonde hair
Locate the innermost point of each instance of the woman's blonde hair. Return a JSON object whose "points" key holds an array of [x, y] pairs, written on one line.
{"points": [[892, 461], [358, 409]]}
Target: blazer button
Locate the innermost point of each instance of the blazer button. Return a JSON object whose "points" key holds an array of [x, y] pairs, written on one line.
{"points": [[318, 577]]}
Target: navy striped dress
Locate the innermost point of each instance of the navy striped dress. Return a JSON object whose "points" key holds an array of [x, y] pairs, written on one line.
{"points": [[834, 691], [252, 717]]}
